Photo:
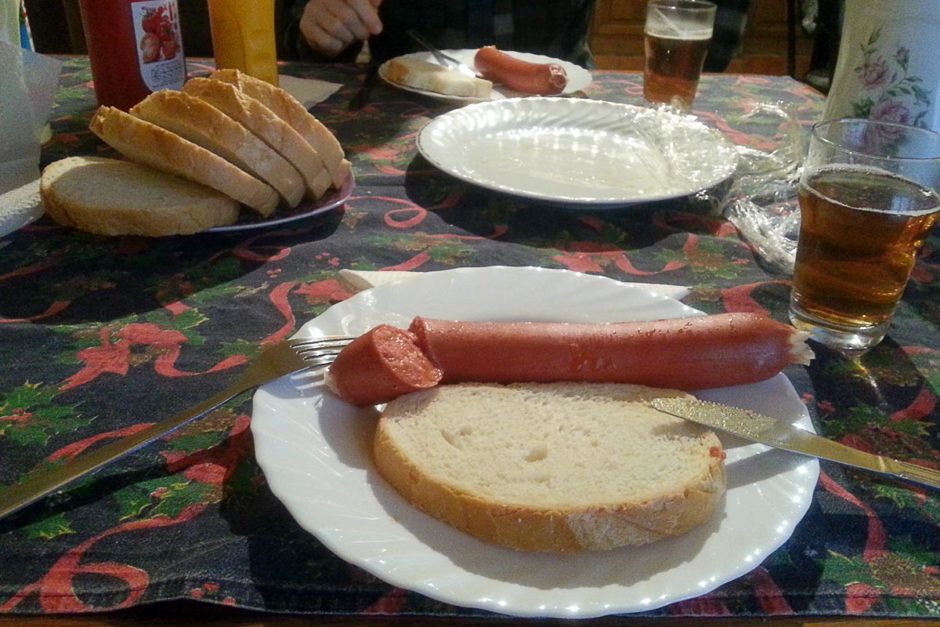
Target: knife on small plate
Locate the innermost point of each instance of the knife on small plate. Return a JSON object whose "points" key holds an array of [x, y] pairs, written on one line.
{"points": [[756, 427]]}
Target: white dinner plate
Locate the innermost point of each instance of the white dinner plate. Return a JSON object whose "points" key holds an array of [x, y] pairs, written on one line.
{"points": [[578, 77], [578, 152], [315, 453], [305, 209]]}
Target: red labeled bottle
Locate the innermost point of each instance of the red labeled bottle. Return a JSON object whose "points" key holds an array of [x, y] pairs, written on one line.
{"points": [[135, 48]]}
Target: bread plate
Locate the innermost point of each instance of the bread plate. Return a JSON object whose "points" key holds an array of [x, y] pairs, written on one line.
{"points": [[578, 153], [306, 209], [578, 77], [315, 453]]}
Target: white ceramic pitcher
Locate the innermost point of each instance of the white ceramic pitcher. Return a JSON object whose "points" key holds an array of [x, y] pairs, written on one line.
{"points": [[889, 63]]}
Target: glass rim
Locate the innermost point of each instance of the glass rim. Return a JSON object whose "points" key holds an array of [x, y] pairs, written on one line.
{"points": [[816, 132]]}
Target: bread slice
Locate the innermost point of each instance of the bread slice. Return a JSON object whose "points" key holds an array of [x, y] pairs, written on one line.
{"points": [[203, 124], [264, 123], [420, 74], [159, 148], [554, 467], [117, 197], [289, 109]]}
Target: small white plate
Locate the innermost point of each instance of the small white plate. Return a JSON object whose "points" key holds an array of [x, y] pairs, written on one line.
{"points": [[578, 77], [305, 209], [315, 451], [576, 152]]}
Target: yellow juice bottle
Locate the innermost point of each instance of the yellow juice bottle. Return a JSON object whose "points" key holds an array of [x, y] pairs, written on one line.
{"points": [[243, 37]]}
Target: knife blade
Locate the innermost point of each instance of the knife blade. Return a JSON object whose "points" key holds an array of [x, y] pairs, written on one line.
{"points": [[756, 427], [443, 59], [361, 97]]}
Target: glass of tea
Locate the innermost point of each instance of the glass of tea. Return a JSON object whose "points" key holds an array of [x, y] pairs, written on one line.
{"points": [[676, 37], [868, 199]]}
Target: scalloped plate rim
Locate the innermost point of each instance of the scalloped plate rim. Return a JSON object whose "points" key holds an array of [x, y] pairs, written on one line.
{"points": [[786, 496], [448, 159]]}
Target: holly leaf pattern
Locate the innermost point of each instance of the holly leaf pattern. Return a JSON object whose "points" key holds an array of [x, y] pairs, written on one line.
{"points": [[30, 415], [49, 528]]}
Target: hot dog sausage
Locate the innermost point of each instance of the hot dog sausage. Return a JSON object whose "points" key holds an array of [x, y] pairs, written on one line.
{"points": [[544, 79], [685, 353], [379, 366]]}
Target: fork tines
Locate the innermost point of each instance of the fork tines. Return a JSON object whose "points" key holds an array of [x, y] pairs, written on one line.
{"points": [[320, 351]]}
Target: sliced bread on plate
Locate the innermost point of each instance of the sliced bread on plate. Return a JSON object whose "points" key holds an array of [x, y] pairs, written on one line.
{"points": [[159, 148], [117, 197], [556, 467], [264, 123], [289, 109], [203, 124]]}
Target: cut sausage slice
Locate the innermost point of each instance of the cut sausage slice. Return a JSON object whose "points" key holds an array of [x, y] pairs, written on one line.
{"points": [[379, 366]]}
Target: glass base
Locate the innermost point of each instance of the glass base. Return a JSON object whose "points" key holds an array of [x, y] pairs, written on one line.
{"points": [[852, 340]]}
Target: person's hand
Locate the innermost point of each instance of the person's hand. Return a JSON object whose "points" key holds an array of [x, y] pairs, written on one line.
{"points": [[330, 26]]}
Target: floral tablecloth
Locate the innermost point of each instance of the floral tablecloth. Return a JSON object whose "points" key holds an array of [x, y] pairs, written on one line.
{"points": [[100, 337]]}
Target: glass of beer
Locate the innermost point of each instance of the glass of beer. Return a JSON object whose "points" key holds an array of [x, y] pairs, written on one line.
{"points": [[868, 199], [676, 38]]}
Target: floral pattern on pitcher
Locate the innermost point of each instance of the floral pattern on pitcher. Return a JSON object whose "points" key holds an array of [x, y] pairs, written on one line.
{"points": [[888, 91]]}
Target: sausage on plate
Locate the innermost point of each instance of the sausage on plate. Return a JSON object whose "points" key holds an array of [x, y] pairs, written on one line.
{"points": [[543, 79], [685, 353]]}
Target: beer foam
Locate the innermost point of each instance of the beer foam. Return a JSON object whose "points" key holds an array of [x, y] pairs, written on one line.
{"points": [[689, 35], [658, 24]]}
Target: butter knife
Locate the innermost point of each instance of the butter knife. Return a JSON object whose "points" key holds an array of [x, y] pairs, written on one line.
{"points": [[753, 426], [443, 59]]}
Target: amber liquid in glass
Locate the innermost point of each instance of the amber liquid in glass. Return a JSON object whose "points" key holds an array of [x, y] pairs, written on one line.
{"points": [[672, 69], [860, 232]]}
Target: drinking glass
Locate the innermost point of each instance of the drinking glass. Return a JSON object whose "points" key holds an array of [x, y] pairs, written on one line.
{"points": [[243, 37], [676, 38], [868, 199]]}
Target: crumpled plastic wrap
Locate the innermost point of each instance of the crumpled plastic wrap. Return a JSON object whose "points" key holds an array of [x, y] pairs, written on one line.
{"points": [[679, 153], [760, 195], [763, 200]]}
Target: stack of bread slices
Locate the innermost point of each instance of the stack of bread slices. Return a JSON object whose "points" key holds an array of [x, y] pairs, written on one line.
{"points": [[194, 158]]}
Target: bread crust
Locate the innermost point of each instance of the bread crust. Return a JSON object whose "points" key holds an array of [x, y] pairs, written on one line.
{"points": [[203, 124], [159, 148], [103, 196], [292, 111], [674, 510], [264, 123]]}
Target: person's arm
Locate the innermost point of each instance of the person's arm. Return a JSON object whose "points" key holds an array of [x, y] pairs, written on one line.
{"points": [[331, 29]]}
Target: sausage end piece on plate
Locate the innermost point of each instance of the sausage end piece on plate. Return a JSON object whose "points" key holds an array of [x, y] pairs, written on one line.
{"points": [[379, 366]]}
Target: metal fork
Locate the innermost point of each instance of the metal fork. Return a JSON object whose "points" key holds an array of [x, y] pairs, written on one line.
{"points": [[281, 359]]}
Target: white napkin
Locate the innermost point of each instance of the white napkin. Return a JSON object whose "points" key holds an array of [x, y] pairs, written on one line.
{"points": [[308, 91], [19, 207], [28, 83], [358, 280]]}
